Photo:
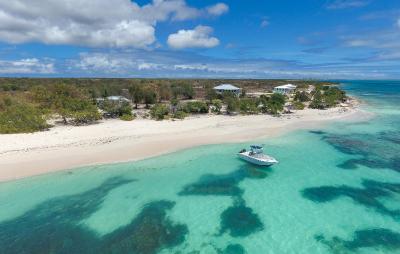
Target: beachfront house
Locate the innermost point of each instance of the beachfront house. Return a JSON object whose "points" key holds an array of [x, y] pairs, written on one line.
{"points": [[285, 89], [115, 99], [227, 88]]}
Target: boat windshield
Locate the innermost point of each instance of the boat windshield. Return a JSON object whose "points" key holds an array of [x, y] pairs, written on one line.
{"points": [[256, 149]]}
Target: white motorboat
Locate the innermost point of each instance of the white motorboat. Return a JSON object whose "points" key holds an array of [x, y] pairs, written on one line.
{"points": [[257, 156]]}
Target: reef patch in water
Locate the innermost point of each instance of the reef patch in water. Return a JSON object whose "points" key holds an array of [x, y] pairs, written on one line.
{"points": [[367, 196], [377, 238], [240, 220], [377, 151], [223, 184], [55, 227]]}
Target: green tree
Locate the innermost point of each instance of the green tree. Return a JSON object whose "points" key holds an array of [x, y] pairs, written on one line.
{"points": [[149, 96], [232, 105], [20, 117], [317, 101], [298, 105], [211, 94], [216, 106], [248, 106], [301, 96], [71, 103], [276, 103], [137, 94], [333, 96], [116, 108], [196, 107], [179, 114], [184, 90], [159, 111]]}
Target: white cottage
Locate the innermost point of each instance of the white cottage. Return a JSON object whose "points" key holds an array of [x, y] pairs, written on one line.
{"points": [[223, 88], [114, 99], [285, 89]]}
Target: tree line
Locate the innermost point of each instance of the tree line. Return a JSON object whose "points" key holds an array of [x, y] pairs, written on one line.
{"points": [[29, 106]]}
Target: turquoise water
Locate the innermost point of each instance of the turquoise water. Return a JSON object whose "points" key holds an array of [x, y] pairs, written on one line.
{"points": [[335, 190]]}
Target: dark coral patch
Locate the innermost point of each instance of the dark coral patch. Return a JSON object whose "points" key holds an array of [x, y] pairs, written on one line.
{"points": [[393, 187], [391, 136], [234, 249], [224, 184], [219, 185], [148, 233], [318, 132], [349, 164], [378, 238], [347, 144], [377, 151], [366, 196], [54, 226], [240, 221]]}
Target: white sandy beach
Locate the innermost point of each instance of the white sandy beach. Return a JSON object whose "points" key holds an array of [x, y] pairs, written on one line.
{"points": [[65, 147]]}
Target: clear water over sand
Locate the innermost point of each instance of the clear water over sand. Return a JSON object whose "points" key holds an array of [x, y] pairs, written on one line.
{"points": [[336, 190]]}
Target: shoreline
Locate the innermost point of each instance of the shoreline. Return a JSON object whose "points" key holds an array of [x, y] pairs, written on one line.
{"points": [[114, 141]]}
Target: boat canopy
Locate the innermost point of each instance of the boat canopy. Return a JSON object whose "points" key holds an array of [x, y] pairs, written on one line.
{"points": [[256, 147]]}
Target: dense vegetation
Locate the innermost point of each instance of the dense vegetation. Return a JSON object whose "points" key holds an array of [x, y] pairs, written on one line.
{"points": [[327, 97], [19, 116], [27, 104], [69, 102]]}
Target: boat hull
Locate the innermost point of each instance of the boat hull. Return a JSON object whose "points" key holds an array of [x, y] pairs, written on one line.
{"points": [[265, 163]]}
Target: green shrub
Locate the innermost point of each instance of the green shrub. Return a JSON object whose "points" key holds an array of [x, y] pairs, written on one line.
{"points": [[180, 115], [318, 101], [79, 111], [159, 111], [275, 103], [327, 97], [216, 106], [184, 90], [248, 106], [333, 96], [115, 108], [68, 101], [211, 94], [195, 107], [232, 105], [149, 96], [127, 117], [298, 105], [301, 96], [85, 116], [21, 117]]}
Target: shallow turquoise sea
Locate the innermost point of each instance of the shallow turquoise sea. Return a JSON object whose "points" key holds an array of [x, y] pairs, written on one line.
{"points": [[335, 190]]}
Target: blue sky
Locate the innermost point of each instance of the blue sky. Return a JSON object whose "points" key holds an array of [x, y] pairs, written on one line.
{"points": [[324, 39]]}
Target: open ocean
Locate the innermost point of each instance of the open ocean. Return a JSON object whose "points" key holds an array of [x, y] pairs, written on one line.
{"points": [[335, 190]]}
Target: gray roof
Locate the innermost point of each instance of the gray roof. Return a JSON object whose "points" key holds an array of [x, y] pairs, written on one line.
{"points": [[117, 98], [227, 87], [114, 98]]}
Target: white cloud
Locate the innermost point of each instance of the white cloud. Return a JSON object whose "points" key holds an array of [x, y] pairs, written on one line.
{"points": [[104, 63], [27, 66], [344, 4], [217, 9], [358, 43], [100, 23], [199, 37], [264, 23], [174, 64]]}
